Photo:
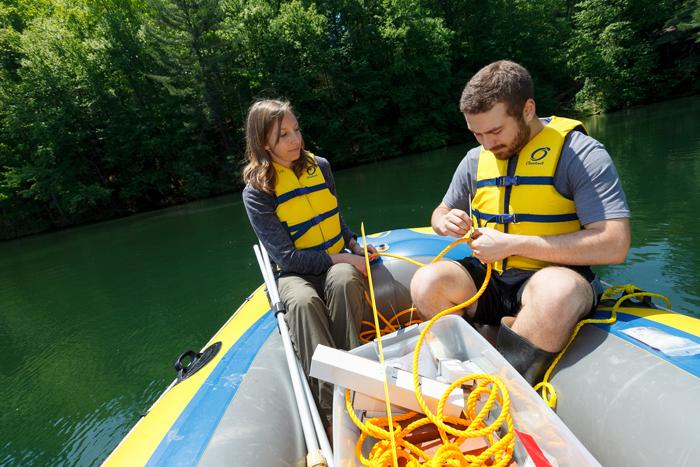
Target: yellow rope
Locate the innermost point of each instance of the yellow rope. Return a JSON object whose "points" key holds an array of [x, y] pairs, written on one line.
{"points": [[549, 394], [390, 325], [500, 451], [379, 344], [393, 324]]}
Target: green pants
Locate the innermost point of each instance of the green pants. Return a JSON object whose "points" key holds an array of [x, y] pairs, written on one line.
{"points": [[325, 309]]}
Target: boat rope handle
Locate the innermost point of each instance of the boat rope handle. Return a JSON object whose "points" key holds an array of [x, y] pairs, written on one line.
{"points": [[627, 291], [385, 451]]}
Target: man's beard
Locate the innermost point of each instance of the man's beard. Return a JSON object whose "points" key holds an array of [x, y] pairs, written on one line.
{"points": [[521, 139]]}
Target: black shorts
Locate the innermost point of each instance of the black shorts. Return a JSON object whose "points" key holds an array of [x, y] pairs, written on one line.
{"points": [[503, 295]]}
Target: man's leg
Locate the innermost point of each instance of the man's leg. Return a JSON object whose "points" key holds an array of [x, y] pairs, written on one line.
{"points": [[441, 285], [554, 299]]}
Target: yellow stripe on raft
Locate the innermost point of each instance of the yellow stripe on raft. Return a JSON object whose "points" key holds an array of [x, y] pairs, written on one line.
{"points": [[142, 441], [669, 318], [423, 230]]}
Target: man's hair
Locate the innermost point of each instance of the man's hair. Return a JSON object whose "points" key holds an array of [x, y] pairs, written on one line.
{"points": [[501, 81]]}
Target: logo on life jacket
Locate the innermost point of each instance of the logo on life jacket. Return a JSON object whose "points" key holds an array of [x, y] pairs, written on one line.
{"points": [[311, 170], [537, 155]]}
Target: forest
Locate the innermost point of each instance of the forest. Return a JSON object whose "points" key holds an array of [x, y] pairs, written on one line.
{"points": [[113, 107]]}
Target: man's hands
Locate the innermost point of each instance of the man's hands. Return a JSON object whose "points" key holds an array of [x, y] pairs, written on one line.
{"points": [[490, 245], [487, 244], [452, 222]]}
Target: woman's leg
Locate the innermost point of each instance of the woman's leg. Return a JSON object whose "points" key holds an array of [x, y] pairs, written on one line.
{"points": [[344, 290], [307, 318]]}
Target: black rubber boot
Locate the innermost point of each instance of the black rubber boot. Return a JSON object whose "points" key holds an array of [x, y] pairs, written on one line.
{"points": [[530, 361]]}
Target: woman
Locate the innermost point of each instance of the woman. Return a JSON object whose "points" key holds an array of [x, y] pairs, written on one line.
{"points": [[291, 202]]}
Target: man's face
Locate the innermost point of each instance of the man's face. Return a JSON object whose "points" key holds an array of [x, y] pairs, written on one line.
{"points": [[498, 132]]}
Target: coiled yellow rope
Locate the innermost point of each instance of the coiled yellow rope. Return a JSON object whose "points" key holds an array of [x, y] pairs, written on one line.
{"points": [[548, 393], [386, 452]]}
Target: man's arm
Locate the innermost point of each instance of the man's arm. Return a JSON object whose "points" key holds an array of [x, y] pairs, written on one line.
{"points": [[602, 242], [452, 222], [450, 217]]}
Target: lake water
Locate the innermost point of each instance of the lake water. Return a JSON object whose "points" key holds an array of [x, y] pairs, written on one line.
{"points": [[92, 319]]}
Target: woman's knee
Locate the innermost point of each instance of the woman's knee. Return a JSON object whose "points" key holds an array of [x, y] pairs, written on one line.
{"points": [[302, 300], [344, 276]]}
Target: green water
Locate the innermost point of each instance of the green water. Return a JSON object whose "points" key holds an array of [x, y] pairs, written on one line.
{"points": [[92, 319]]}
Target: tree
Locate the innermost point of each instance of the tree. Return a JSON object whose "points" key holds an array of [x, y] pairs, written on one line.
{"points": [[612, 51]]}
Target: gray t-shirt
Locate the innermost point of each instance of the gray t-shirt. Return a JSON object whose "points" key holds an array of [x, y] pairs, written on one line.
{"points": [[586, 174], [261, 207]]}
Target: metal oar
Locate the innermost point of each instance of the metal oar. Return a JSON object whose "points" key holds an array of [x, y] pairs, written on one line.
{"points": [[308, 413]]}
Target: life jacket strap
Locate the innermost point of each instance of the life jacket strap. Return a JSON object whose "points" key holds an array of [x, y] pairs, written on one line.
{"points": [[297, 230], [511, 180], [515, 218], [327, 244], [305, 190]]}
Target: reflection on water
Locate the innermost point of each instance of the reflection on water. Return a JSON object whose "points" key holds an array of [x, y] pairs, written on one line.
{"points": [[92, 319]]}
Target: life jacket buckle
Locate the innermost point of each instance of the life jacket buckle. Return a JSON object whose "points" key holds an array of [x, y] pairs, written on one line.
{"points": [[509, 219], [507, 180]]}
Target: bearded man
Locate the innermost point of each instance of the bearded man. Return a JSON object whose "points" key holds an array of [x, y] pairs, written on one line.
{"points": [[545, 203]]}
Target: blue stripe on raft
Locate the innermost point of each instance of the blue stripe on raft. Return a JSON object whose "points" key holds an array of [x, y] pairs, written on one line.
{"points": [[185, 442], [691, 363]]}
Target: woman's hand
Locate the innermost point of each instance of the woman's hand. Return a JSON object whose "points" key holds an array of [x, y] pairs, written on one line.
{"points": [[357, 249], [356, 260]]}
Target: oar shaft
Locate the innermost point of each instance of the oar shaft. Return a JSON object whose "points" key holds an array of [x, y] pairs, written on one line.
{"points": [[299, 384], [318, 424]]}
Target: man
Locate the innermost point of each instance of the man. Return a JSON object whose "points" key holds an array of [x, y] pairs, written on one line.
{"points": [[545, 202]]}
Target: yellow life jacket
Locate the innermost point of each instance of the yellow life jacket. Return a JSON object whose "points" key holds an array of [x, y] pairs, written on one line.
{"points": [[526, 202], [308, 209]]}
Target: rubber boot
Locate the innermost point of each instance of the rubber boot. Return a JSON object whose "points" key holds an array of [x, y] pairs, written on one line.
{"points": [[530, 361]]}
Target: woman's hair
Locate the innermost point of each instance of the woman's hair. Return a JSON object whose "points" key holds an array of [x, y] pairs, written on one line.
{"points": [[265, 117]]}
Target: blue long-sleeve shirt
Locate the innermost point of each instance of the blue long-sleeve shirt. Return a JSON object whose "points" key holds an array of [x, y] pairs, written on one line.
{"points": [[261, 207]]}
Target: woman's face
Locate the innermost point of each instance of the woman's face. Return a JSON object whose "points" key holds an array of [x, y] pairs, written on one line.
{"points": [[287, 149]]}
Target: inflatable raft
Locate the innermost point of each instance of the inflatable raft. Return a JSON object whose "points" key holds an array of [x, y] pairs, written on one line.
{"points": [[629, 391]]}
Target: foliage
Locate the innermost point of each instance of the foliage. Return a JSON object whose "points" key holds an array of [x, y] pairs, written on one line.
{"points": [[109, 107], [613, 53]]}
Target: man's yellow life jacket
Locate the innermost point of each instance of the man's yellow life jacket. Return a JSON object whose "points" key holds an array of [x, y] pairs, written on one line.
{"points": [[526, 201], [308, 209]]}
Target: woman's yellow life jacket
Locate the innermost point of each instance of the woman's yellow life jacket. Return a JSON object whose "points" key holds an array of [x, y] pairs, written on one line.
{"points": [[308, 209], [526, 201]]}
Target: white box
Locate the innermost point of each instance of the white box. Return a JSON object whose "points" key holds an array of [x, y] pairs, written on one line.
{"points": [[366, 376]]}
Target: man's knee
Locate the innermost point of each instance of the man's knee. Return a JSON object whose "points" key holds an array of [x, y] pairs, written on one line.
{"points": [[424, 283], [440, 285], [558, 290]]}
